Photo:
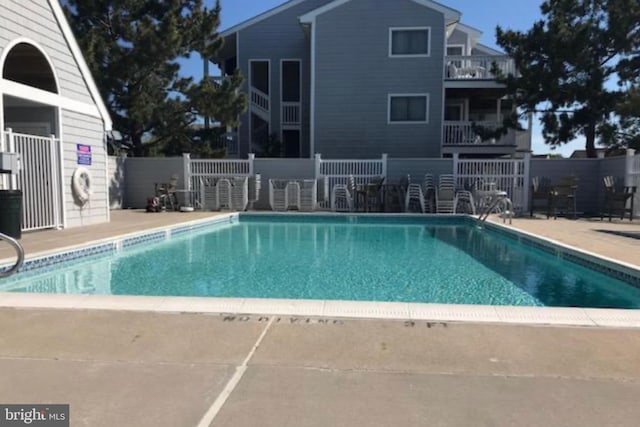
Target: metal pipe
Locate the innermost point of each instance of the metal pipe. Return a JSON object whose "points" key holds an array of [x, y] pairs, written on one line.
{"points": [[20, 252]]}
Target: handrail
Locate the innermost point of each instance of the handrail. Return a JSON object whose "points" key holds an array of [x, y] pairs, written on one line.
{"points": [[20, 251], [497, 198]]}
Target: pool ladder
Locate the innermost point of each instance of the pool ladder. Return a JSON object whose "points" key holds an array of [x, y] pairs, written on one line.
{"points": [[19, 251], [497, 198]]}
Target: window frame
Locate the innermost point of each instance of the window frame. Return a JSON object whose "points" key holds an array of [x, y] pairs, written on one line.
{"points": [[408, 95], [410, 55]]}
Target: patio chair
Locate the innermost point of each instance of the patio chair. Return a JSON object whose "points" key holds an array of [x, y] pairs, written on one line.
{"points": [[616, 199], [239, 193], [224, 194], [371, 194], [166, 193], [422, 194], [464, 203], [308, 195], [278, 194], [293, 195], [541, 191], [564, 197], [446, 195], [342, 195]]}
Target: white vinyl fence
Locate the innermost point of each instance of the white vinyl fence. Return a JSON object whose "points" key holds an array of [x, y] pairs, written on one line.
{"points": [[39, 179], [198, 172], [633, 178], [338, 172], [510, 175]]}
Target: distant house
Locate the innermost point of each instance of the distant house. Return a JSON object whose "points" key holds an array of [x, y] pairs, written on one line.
{"points": [[46, 90], [357, 78], [582, 154]]}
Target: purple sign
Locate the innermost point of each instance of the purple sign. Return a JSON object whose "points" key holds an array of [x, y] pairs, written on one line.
{"points": [[83, 153]]}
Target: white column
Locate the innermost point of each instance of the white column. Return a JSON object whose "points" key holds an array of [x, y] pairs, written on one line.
{"points": [[252, 157], [318, 161], [186, 168], [384, 165], [629, 168], [11, 148], [527, 182]]}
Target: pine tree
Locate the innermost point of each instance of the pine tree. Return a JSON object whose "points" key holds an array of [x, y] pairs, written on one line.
{"points": [[132, 48], [569, 61]]}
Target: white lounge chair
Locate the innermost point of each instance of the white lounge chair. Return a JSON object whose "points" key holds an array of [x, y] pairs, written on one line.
{"points": [[342, 195], [446, 195], [278, 195]]}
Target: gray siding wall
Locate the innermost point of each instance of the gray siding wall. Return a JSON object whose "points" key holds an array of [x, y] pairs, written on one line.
{"points": [[281, 169], [115, 166], [458, 37], [81, 129], [354, 76], [278, 37], [142, 173], [34, 19]]}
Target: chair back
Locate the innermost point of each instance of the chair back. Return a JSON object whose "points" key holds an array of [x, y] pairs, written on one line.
{"points": [[351, 185], [173, 184], [609, 182]]}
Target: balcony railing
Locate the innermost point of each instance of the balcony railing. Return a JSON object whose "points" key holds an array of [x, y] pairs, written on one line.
{"points": [[463, 133], [291, 113], [477, 67]]}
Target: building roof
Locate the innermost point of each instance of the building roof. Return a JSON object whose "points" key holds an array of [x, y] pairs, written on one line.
{"points": [[82, 64], [271, 12], [451, 15]]}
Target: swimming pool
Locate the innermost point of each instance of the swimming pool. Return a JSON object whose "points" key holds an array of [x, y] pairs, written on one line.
{"points": [[354, 258]]}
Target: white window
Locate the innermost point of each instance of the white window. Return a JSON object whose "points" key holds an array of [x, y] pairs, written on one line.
{"points": [[410, 42], [408, 108]]}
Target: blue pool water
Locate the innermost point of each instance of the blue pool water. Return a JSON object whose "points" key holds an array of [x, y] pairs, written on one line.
{"points": [[341, 258]]}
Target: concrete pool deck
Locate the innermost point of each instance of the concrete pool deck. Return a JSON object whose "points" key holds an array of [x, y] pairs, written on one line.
{"points": [[177, 366], [148, 369]]}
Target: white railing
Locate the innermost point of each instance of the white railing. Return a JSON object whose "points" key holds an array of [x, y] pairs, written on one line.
{"points": [[197, 171], [461, 67], [338, 172], [38, 179], [291, 113], [463, 133], [259, 100], [510, 175]]}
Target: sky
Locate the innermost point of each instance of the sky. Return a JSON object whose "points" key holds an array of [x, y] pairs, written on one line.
{"points": [[483, 15]]}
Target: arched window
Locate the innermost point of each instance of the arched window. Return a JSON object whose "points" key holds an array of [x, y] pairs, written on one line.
{"points": [[27, 65]]}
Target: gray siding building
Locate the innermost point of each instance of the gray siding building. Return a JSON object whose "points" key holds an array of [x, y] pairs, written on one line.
{"points": [[50, 103], [358, 78]]}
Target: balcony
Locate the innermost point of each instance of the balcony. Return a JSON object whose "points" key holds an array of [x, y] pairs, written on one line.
{"points": [[291, 114], [477, 68], [462, 135]]}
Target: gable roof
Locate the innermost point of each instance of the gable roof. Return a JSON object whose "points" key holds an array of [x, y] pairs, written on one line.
{"points": [[474, 33], [330, 5], [261, 17], [82, 64], [450, 15]]}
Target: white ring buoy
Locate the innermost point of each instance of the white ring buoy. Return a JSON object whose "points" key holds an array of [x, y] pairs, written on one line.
{"points": [[81, 184]]}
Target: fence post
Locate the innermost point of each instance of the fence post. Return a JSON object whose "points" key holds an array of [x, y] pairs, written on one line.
{"points": [[186, 168], [11, 145], [629, 168], [384, 165], [318, 161], [527, 180], [456, 159], [54, 179], [252, 157]]}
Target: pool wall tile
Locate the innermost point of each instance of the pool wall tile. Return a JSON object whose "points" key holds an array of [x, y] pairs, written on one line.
{"points": [[45, 262]]}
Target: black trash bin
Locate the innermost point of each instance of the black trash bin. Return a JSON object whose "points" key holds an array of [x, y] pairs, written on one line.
{"points": [[11, 213]]}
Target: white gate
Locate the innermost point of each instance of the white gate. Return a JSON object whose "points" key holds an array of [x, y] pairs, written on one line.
{"points": [[510, 175], [339, 171], [633, 178], [38, 179]]}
